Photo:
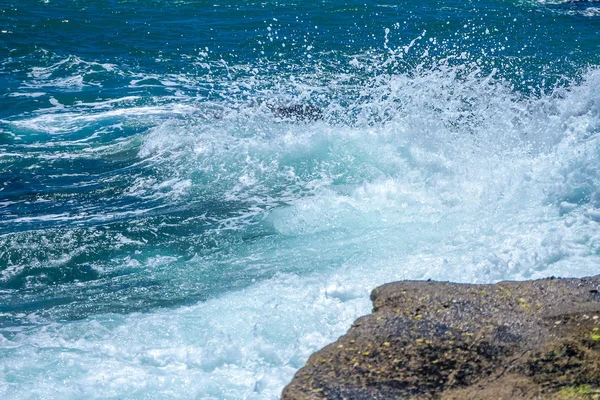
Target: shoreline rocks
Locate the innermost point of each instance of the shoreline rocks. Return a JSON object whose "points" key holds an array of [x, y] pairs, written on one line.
{"points": [[437, 340]]}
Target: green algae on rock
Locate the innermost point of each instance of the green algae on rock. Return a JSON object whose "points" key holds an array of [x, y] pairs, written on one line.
{"points": [[436, 340]]}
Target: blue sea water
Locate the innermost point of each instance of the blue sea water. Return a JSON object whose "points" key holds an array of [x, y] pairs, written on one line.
{"points": [[165, 234]]}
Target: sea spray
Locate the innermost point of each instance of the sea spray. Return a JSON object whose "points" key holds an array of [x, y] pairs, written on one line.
{"points": [[166, 234]]}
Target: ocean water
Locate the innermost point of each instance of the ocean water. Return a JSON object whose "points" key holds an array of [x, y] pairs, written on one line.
{"points": [[165, 234]]}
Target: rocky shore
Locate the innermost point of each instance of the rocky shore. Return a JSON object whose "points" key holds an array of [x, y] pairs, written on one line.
{"points": [[436, 340]]}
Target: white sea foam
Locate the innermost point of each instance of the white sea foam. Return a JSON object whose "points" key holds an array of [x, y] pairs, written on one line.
{"points": [[30, 94], [80, 71], [445, 174], [247, 344], [54, 122]]}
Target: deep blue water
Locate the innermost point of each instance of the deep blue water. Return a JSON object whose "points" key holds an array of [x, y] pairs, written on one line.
{"points": [[165, 234]]}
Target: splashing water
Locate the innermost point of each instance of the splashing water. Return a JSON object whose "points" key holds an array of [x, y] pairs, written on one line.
{"points": [[164, 234]]}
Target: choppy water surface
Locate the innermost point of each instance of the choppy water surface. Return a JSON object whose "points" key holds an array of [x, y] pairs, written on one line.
{"points": [[163, 234]]}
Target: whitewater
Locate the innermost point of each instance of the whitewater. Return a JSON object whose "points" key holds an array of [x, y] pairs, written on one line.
{"points": [[165, 234]]}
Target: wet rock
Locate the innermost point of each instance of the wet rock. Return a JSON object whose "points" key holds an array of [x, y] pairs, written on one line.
{"points": [[435, 340], [297, 112]]}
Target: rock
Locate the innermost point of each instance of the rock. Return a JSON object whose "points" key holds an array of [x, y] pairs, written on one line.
{"points": [[298, 112], [435, 340]]}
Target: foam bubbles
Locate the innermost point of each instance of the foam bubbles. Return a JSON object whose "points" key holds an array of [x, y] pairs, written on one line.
{"points": [[246, 344], [241, 242]]}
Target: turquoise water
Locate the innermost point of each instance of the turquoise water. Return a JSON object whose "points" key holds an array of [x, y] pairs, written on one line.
{"points": [[165, 234]]}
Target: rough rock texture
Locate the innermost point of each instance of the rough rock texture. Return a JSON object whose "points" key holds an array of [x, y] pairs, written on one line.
{"points": [[434, 340]]}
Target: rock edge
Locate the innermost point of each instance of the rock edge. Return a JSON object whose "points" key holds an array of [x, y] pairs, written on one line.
{"points": [[437, 340]]}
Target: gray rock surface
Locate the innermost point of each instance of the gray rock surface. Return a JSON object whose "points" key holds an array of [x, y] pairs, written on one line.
{"points": [[436, 340]]}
